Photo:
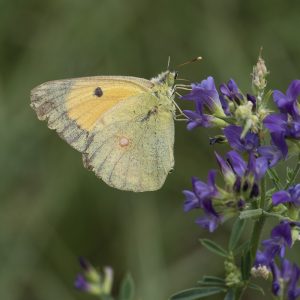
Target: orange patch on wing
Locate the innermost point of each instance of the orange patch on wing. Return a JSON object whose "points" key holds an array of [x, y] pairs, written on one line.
{"points": [[85, 106]]}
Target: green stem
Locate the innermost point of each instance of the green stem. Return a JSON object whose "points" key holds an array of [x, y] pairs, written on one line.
{"points": [[258, 226], [256, 233], [294, 174]]}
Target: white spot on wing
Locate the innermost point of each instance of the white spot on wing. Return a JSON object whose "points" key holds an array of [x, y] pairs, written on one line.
{"points": [[123, 141]]}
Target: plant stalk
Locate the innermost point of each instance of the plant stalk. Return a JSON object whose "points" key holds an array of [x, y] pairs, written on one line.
{"points": [[255, 237]]}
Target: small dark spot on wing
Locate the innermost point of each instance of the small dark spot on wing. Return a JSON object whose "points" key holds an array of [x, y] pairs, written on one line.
{"points": [[98, 92], [151, 112]]}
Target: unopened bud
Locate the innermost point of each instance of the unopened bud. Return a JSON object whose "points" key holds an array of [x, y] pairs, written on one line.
{"points": [[259, 74], [260, 271]]}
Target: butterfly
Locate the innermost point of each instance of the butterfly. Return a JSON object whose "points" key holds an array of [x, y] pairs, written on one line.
{"points": [[122, 125]]}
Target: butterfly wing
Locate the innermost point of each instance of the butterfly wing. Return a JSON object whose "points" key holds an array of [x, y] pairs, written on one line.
{"points": [[125, 136], [73, 106], [131, 146]]}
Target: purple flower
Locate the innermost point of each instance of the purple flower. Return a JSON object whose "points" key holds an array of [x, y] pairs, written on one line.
{"points": [[252, 99], [276, 123], [285, 279], [278, 127], [231, 91], [261, 259], [238, 165], [271, 153], [209, 222], [281, 237], [286, 124], [197, 118], [294, 291], [233, 134], [292, 195], [257, 166], [288, 103], [280, 275], [80, 283], [201, 197], [206, 94]]}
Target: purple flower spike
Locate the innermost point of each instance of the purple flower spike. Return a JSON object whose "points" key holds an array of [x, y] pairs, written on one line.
{"points": [[233, 134], [292, 195]]}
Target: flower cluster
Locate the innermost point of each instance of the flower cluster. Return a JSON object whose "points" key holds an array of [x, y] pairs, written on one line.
{"points": [[92, 282], [258, 139], [285, 125], [243, 167], [272, 260]]}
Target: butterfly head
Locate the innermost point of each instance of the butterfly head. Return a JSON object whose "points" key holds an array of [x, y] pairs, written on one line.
{"points": [[165, 78]]}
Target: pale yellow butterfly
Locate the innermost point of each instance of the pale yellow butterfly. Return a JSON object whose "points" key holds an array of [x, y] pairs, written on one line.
{"points": [[123, 126]]}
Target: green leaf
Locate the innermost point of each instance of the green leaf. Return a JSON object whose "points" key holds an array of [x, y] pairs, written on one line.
{"points": [[246, 214], [197, 293], [241, 248], [256, 287], [208, 278], [214, 247], [212, 281], [127, 289], [246, 265], [236, 232]]}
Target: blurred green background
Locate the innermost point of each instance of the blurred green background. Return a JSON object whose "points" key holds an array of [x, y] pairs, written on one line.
{"points": [[52, 209]]}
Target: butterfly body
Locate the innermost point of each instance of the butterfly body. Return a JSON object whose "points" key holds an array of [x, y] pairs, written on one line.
{"points": [[123, 126]]}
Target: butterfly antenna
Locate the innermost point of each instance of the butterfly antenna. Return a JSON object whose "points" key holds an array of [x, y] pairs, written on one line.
{"points": [[169, 60], [190, 61]]}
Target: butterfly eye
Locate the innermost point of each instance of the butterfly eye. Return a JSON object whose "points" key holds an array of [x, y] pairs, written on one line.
{"points": [[98, 92], [175, 75]]}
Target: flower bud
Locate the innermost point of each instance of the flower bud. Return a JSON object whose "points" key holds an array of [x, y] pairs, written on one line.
{"points": [[259, 75], [260, 271]]}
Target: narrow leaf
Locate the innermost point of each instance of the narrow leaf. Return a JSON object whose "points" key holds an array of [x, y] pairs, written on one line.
{"points": [[241, 248], [256, 287], [208, 278], [197, 293], [214, 247], [212, 281], [236, 232], [246, 214], [127, 289]]}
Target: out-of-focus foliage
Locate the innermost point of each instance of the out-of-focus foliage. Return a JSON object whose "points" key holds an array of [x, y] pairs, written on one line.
{"points": [[51, 208]]}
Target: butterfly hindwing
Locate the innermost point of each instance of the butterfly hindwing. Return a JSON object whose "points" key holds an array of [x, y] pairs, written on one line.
{"points": [[131, 147]]}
